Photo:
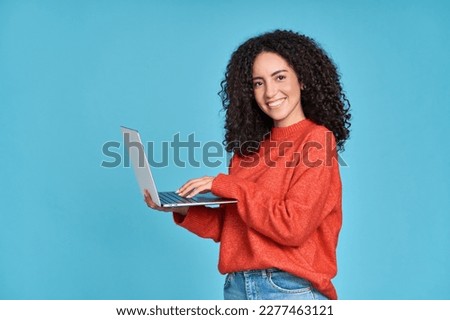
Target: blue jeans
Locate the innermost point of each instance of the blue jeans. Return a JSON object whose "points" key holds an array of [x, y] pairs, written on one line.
{"points": [[268, 284]]}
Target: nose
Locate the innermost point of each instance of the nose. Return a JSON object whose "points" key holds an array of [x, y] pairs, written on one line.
{"points": [[271, 90]]}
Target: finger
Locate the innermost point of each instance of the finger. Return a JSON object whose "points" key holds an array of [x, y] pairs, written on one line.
{"points": [[148, 199], [193, 193], [147, 196], [206, 186], [150, 203], [188, 186], [192, 188], [154, 206]]}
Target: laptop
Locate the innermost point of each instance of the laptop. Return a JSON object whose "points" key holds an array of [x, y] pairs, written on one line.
{"points": [[145, 180]]}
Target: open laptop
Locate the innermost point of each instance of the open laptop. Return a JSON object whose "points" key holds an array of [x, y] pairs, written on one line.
{"points": [[145, 180]]}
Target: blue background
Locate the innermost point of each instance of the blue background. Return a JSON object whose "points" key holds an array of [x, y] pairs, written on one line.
{"points": [[72, 72]]}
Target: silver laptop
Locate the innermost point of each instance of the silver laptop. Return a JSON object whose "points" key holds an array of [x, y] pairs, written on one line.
{"points": [[145, 179]]}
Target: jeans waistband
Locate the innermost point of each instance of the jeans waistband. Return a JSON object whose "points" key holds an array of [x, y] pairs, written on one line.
{"points": [[262, 272]]}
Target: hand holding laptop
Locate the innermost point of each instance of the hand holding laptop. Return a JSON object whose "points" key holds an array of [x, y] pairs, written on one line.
{"points": [[154, 206]]}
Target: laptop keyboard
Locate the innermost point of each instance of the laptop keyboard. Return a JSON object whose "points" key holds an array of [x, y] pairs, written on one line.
{"points": [[172, 197]]}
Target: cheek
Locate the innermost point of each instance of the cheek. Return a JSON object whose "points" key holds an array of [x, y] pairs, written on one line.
{"points": [[258, 97], [294, 91]]}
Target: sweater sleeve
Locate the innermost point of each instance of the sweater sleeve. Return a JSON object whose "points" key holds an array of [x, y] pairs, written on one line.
{"points": [[290, 219], [203, 221]]}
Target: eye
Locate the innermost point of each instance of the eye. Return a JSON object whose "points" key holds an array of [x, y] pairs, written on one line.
{"points": [[257, 84], [281, 77]]}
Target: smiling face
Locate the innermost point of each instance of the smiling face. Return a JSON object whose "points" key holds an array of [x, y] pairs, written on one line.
{"points": [[277, 89]]}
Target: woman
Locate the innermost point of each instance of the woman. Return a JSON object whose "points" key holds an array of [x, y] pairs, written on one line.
{"points": [[286, 118]]}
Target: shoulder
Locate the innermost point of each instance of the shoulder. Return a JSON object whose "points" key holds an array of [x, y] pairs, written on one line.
{"points": [[319, 134], [319, 146]]}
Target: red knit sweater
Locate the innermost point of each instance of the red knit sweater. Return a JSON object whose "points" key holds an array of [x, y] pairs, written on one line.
{"points": [[289, 211]]}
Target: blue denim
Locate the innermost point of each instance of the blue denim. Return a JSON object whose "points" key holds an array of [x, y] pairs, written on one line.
{"points": [[268, 284]]}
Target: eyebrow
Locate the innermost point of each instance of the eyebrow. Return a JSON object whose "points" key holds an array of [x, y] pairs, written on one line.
{"points": [[273, 74]]}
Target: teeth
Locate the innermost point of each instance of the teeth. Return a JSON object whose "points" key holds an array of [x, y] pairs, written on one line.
{"points": [[275, 103]]}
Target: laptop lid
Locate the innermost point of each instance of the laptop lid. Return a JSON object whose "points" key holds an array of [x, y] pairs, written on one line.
{"points": [[136, 152]]}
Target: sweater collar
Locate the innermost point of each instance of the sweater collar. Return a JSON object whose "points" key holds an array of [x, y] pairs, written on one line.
{"points": [[281, 133]]}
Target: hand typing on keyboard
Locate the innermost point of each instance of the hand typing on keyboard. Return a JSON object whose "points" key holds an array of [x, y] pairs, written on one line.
{"points": [[196, 186]]}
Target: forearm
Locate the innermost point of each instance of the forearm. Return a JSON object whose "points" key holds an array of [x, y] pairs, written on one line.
{"points": [[204, 222]]}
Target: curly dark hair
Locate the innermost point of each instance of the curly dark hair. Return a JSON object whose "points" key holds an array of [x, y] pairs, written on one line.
{"points": [[323, 100]]}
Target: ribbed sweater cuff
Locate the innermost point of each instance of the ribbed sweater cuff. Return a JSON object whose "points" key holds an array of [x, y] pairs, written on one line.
{"points": [[226, 186], [192, 221]]}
